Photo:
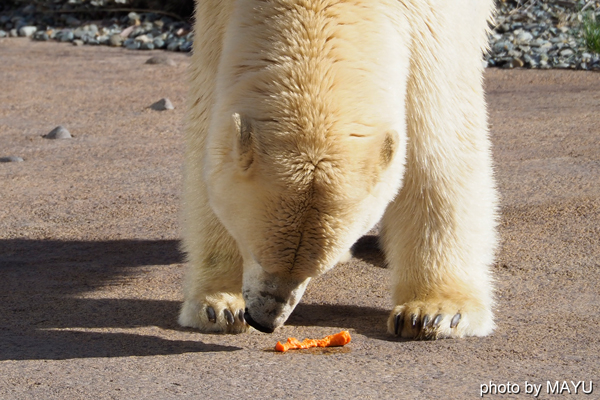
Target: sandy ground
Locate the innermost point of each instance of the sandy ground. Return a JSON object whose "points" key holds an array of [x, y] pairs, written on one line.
{"points": [[90, 270]]}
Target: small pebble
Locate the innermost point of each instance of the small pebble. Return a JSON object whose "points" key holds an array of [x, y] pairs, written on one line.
{"points": [[59, 132], [164, 60], [77, 42], [162, 105], [11, 159]]}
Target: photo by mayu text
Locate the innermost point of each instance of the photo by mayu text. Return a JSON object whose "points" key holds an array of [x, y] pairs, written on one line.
{"points": [[535, 389]]}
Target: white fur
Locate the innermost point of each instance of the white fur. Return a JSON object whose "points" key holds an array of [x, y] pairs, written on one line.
{"points": [[305, 119]]}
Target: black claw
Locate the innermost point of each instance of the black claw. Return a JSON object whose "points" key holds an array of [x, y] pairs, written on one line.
{"points": [[212, 316], [455, 320], [228, 316], [437, 320], [398, 324], [240, 315], [426, 320], [414, 321]]}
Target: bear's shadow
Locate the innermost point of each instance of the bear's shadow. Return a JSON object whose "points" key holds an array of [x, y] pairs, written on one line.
{"points": [[45, 316], [368, 249]]}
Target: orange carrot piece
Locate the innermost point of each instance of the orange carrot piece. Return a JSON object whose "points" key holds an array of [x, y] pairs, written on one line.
{"points": [[338, 339]]}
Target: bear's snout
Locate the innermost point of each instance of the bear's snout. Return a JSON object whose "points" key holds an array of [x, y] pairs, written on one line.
{"points": [[270, 299], [265, 311], [255, 324]]}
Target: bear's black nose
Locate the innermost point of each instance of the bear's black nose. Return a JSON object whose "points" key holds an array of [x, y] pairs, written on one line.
{"points": [[255, 324]]}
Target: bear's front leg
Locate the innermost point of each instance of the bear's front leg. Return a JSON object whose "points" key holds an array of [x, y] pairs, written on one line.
{"points": [[439, 232], [213, 301], [439, 240]]}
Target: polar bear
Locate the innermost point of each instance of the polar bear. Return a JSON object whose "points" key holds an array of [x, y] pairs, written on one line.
{"points": [[312, 120]]}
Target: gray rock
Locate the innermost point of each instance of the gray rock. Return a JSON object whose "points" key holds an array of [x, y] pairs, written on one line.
{"points": [[499, 47], [186, 46], [3, 34], [173, 46], [143, 39], [147, 26], [91, 28], [78, 42], [530, 61], [65, 36], [133, 17], [566, 52], [11, 159], [59, 132], [13, 33], [137, 31], [162, 105], [546, 47], [515, 54], [163, 60], [147, 46], [524, 37], [115, 40], [158, 43], [41, 35], [131, 44], [27, 31]]}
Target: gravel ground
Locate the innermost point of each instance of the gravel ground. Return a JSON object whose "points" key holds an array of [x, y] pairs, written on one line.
{"points": [[527, 33], [90, 271]]}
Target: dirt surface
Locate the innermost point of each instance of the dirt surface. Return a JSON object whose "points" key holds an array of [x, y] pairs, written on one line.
{"points": [[90, 270]]}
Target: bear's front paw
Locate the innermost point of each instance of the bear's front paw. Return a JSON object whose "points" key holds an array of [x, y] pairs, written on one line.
{"points": [[217, 313], [440, 319]]}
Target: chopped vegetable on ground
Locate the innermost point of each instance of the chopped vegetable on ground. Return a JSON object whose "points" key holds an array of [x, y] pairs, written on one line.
{"points": [[338, 339]]}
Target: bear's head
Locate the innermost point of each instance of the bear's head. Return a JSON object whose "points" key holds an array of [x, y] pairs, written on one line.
{"points": [[295, 197]]}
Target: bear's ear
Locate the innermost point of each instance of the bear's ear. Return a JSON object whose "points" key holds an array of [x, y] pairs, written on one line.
{"points": [[243, 142], [388, 147]]}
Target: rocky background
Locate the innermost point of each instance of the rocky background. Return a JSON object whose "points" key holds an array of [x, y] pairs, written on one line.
{"points": [[526, 33]]}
